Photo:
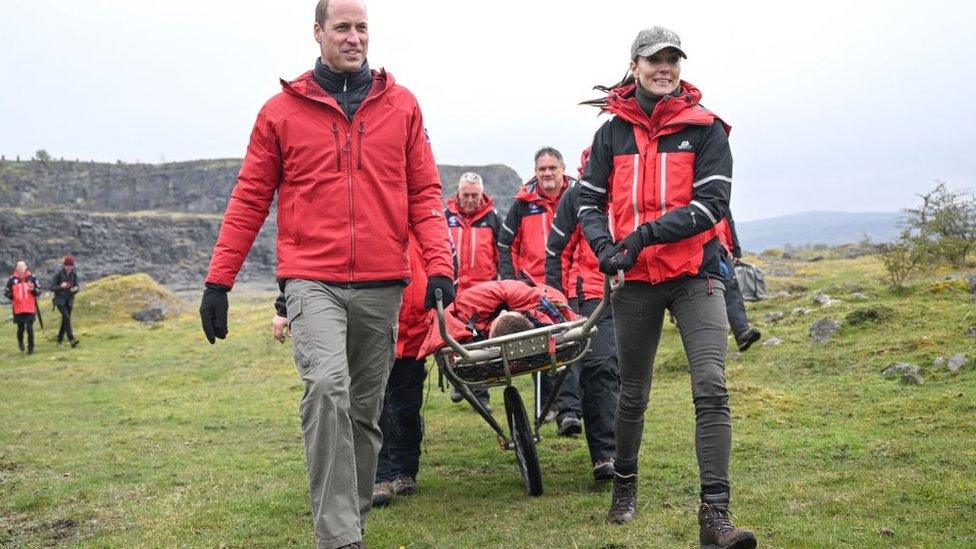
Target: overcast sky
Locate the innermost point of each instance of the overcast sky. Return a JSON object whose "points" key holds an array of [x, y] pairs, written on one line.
{"points": [[853, 106]]}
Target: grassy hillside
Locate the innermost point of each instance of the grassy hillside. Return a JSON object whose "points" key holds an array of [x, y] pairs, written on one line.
{"points": [[148, 436]]}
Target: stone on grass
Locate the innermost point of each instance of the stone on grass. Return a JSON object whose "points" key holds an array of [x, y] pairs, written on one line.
{"points": [[912, 379], [822, 299], [878, 313], [938, 362], [859, 296], [773, 316], [900, 369], [957, 361], [823, 329], [971, 331], [772, 341], [150, 315], [782, 294], [801, 311]]}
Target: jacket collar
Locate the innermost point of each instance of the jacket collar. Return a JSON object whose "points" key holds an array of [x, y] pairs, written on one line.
{"points": [[487, 205], [306, 86]]}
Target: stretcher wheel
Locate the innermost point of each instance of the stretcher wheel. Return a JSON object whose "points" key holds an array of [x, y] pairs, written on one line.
{"points": [[524, 442]]}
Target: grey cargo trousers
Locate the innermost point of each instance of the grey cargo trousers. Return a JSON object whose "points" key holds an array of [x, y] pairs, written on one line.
{"points": [[345, 342], [698, 307]]}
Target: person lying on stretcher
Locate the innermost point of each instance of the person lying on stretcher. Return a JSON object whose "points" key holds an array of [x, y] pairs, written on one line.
{"points": [[495, 308]]}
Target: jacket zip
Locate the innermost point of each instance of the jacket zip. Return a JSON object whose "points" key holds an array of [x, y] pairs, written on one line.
{"points": [[359, 153], [664, 183], [634, 191], [474, 244], [335, 132], [352, 214]]}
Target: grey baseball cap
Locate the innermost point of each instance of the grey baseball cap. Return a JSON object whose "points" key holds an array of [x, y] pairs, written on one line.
{"points": [[652, 40]]}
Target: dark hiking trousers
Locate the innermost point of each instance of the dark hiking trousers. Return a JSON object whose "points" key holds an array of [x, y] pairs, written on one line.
{"points": [[25, 323], [344, 343], [400, 422], [599, 383], [698, 307], [65, 329], [735, 307]]}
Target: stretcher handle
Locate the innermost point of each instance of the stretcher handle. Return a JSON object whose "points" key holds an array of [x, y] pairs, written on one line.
{"points": [[442, 326], [611, 284]]}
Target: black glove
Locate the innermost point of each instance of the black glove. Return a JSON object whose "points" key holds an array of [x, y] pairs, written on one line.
{"points": [[605, 251], [630, 247], [445, 285], [213, 312], [281, 305]]}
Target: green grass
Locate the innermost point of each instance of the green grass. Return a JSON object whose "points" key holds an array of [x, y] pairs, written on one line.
{"points": [[148, 436]]}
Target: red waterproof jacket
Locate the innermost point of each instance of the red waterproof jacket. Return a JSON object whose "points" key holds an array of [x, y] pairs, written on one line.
{"points": [[475, 239], [413, 320], [473, 311], [569, 260], [23, 290], [522, 242], [671, 170], [347, 190]]}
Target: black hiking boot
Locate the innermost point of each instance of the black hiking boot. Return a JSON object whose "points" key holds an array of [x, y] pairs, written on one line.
{"points": [[603, 469], [21, 345], [716, 530], [751, 336], [623, 502], [74, 343], [570, 426]]}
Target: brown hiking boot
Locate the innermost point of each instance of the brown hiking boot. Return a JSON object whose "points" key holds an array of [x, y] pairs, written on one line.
{"points": [[716, 530], [623, 502], [405, 485], [382, 494]]}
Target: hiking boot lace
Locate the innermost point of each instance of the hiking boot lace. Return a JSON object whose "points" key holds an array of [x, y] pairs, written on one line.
{"points": [[717, 519]]}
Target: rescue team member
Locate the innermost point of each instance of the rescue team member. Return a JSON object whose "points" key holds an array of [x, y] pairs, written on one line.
{"points": [[400, 421], [23, 290], [661, 167], [735, 307], [346, 150], [471, 316], [473, 224], [65, 286], [595, 375], [522, 251]]}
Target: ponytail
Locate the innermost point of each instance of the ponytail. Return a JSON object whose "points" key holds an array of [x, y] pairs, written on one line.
{"points": [[602, 102]]}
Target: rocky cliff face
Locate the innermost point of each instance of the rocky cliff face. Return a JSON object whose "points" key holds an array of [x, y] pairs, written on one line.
{"points": [[159, 219]]}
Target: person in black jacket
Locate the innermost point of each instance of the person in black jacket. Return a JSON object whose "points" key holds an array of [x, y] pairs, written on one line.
{"points": [[65, 286]]}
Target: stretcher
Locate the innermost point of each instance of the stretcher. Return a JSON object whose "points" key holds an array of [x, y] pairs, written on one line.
{"points": [[495, 362]]}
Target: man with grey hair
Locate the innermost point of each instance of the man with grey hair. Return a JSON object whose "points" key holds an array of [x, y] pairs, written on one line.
{"points": [[345, 149], [473, 224]]}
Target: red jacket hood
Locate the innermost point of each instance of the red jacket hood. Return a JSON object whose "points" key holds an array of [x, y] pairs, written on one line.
{"points": [[306, 86], [530, 193], [487, 205], [27, 273], [670, 110]]}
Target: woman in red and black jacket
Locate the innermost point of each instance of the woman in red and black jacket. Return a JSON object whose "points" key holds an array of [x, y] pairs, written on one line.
{"points": [[661, 169], [22, 290]]}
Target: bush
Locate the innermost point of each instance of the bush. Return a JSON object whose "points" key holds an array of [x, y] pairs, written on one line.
{"points": [[901, 260], [943, 228]]}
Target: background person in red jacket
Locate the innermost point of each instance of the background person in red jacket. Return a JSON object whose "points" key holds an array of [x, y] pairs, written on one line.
{"points": [[522, 240], [346, 152], [22, 290], [473, 224], [661, 170]]}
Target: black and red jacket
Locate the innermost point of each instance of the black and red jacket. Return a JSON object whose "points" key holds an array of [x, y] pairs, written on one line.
{"points": [[522, 242], [671, 170], [728, 236], [22, 290], [348, 190], [475, 239], [571, 265]]}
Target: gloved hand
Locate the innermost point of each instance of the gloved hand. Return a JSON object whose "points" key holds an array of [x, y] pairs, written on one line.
{"points": [[213, 311], [606, 257], [446, 285], [630, 247]]}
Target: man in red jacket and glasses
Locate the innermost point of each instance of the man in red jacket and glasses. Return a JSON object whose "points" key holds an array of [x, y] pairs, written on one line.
{"points": [[346, 152]]}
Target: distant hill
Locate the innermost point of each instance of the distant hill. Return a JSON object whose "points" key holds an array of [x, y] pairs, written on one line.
{"points": [[806, 228]]}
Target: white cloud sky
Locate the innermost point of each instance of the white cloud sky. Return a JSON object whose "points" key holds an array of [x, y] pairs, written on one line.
{"points": [[835, 105]]}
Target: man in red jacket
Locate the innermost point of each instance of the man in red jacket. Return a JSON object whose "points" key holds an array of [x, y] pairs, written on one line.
{"points": [[474, 225], [22, 290], [522, 245], [346, 151]]}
